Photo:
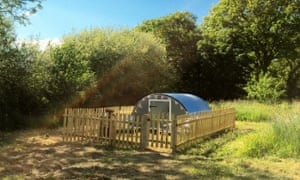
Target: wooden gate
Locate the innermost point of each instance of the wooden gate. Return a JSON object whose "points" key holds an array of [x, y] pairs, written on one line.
{"points": [[157, 131]]}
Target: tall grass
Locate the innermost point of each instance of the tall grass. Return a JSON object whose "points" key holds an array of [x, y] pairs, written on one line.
{"points": [[254, 111], [280, 138], [286, 131], [274, 129]]}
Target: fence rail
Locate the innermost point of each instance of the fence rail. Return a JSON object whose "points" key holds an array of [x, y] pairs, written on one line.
{"points": [[123, 129], [96, 125], [191, 127]]}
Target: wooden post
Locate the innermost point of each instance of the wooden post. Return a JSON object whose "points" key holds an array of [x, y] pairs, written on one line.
{"points": [[145, 131], [233, 118], [107, 125], [65, 127], [112, 130], [174, 134]]}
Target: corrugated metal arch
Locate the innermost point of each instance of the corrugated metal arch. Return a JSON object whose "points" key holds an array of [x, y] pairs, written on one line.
{"points": [[181, 103], [190, 102]]}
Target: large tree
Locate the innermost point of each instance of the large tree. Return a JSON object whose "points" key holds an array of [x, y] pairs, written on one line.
{"points": [[70, 73], [258, 31], [263, 30], [14, 64], [127, 65], [180, 34]]}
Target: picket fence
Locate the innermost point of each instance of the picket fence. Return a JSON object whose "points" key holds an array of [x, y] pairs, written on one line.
{"points": [[116, 126]]}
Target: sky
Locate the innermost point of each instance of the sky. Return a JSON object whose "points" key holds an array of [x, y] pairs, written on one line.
{"points": [[62, 17]]}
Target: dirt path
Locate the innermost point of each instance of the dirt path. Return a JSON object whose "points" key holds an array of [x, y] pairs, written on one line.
{"points": [[42, 155]]}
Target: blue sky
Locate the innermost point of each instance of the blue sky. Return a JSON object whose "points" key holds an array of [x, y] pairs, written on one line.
{"points": [[61, 17]]}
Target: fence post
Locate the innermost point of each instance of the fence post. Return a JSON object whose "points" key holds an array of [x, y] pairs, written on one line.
{"points": [[65, 127], [233, 117], [112, 130], [174, 134], [145, 131]]}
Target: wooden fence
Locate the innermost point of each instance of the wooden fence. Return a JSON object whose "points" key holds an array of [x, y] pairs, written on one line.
{"points": [[191, 127], [97, 125], [116, 109], [122, 129]]}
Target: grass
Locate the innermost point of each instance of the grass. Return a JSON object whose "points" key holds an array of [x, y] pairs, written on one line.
{"points": [[234, 149], [254, 111], [267, 137], [281, 137], [255, 149], [277, 131], [286, 132], [32, 155]]}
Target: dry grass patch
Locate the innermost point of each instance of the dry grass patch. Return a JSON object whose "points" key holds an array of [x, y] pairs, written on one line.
{"points": [[41, 154]]}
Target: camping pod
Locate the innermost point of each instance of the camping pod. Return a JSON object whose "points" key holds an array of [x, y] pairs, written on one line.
{"points": [[172, 103]]}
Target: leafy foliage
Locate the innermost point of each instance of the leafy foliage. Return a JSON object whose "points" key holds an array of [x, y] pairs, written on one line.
{"points": [[180, 34], [266, 88], [255, 33], [241, 48], [259, 30], [18, 98], [218, 76], [15, 101], [70, 73], [18, 10], [127, 64]]}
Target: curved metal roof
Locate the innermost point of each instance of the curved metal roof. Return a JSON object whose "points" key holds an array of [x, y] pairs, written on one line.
{"points": [[190, 102]]}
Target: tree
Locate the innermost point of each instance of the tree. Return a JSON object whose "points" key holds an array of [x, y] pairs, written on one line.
{"points": [[12, 83], [216, 76], [258, 32], [70, 74], [265, 89], [38, 81], [127, 64], [13, 64], [14, 11], [18, 10], [293, 81], [179, 33]]}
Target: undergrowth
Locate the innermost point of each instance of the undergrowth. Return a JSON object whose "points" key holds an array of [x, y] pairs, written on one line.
{"points": [[277, 134], [254, 111], [281, 138]]}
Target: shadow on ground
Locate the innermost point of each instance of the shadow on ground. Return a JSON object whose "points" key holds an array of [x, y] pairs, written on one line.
{"points": [[42, 154]]}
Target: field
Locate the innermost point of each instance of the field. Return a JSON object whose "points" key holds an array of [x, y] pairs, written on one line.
{"points": [[237, 154]]}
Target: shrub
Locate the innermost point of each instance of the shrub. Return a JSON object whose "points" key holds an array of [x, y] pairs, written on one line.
{"points": [[265, 88]]}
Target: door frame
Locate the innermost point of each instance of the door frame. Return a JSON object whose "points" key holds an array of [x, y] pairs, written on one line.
{"points": [[161, 100]]}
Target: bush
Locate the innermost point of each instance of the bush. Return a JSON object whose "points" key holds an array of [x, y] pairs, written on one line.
{"points": [[265, 88]]}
